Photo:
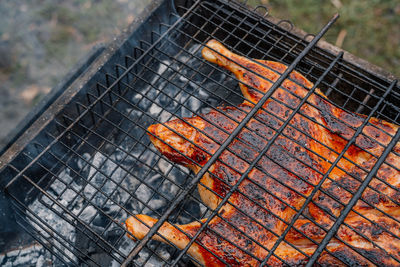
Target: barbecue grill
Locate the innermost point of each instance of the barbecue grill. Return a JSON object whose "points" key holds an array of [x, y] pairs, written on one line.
{"points": [[84, 163]]}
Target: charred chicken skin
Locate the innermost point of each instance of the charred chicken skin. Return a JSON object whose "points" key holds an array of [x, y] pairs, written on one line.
{"points": [[256, 214]]}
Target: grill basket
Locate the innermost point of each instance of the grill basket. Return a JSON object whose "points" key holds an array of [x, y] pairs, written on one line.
{"points": [[87, 163]]}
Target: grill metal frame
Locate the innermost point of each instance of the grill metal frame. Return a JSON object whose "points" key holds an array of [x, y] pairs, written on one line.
{"points": [[101, 105]]}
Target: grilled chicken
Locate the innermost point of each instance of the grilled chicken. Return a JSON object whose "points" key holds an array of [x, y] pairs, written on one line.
{"points": [[257, 214]]}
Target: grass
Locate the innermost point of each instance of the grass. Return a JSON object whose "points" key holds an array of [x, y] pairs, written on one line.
{"points": [[41, 40], [371, 27]]}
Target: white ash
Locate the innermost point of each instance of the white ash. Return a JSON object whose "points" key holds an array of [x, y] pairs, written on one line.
{"points": [[110, 184], [33, 255]]}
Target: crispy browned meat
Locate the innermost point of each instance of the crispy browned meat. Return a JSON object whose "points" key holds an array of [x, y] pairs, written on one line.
{"points": [[268, 198]]}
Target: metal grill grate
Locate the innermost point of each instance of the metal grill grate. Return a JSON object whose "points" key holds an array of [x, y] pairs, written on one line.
{"points": [[93, 165]]}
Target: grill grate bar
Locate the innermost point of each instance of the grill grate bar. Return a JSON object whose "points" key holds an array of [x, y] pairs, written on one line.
{"points": [[349, 96], [103, 94], [381, 228], [351, 175], [284, 47], [50, 231], [205, 168], [365, 101], [251, 114], [95, 159], [96, 236], [121, 206], [315, 140], [316, 188], [369, 93], [97, 169], [346, 66], [280, 102], [240, 192], [363, 186], [49, 246], [101, 117], [99, 189]]}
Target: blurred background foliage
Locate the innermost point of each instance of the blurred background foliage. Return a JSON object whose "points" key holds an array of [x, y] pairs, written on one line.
{"points": [[41, 40], [369, 29]]}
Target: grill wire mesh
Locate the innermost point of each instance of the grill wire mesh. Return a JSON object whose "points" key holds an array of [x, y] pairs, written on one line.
{"points": [[96, 165]]}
